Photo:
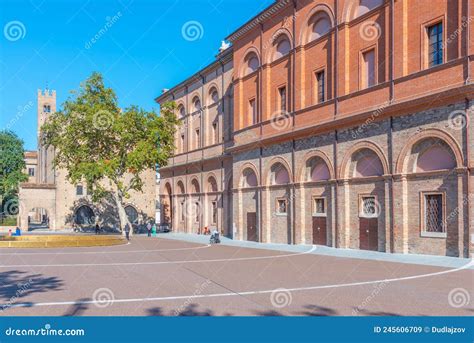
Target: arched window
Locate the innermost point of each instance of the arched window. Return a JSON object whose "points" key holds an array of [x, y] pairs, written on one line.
{"points": [[181, 111], [367, 163], [279, 174], [84, 216], [47, 108], [213, 96], [366, 6], [317, 170], [195, 186], [249, 179], [196, 104], [180, 187], [212, 184], [132, 214], [283, 47], [251, 63], [321, 26], [436, 157]]}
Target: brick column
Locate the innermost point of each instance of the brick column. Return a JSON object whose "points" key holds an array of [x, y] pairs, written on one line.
{"points": [[461, 203], [239, 234], [388, 206], [344, 208], [333, 215], [265, 210], [301, 212]]}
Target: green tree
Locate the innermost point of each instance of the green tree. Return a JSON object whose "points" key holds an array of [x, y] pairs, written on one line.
{"points": [[12, 165], [107, 148]]}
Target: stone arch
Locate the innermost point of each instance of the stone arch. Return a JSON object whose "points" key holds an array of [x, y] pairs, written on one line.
{"points": [[402, 161], [36, 196], [271, 164], [344, 170], [316, 154], [194, 186], [356, 8], [211, 182], [196, 103], [251, 52], [180, 188], [312, 18], [132, 213], [278, 37], [243, 175], [210, 90], [84, 214]]}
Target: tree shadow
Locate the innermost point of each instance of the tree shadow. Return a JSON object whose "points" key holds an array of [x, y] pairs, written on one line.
{"points": [[377, 313], [191, 310], [77, 309], [317, 311], [268, 313], [15, 285]]}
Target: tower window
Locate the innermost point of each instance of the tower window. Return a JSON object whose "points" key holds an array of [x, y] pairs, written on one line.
{"points": [[368, 69], [47, 108], [31, 171], [321, 86], [282, 98], [435, 44], [79, 190]]}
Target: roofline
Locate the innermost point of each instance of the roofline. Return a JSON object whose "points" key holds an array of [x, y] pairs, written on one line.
{"points": [[260, 17], [223, 57]]}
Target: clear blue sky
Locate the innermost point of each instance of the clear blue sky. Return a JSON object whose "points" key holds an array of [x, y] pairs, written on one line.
{"points": [[142, 51]]}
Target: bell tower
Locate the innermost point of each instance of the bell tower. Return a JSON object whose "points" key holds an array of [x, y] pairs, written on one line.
{"points": [[46, 106]]}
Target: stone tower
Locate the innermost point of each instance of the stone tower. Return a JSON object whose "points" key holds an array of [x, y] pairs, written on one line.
{"points": [[46, 106]]}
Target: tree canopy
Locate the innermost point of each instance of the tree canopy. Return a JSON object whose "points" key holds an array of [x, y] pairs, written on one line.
{"points": [[100, 144], [12, 165]]}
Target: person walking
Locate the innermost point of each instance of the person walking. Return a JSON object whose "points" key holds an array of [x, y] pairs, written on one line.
{"points": [[148, 227], [97, 229], [153, 230], [127, 231]]}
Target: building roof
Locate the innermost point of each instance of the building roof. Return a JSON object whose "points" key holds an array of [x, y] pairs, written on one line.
{"points": [[223, 57], [259, 18], [31, 154]]}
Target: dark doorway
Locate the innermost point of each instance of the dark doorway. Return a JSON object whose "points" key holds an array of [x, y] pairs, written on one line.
{"points": [[252, 227], [368, 234], [319, 231]]}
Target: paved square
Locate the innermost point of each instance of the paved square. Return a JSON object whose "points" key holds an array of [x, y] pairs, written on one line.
{"points": [[159, 276]]}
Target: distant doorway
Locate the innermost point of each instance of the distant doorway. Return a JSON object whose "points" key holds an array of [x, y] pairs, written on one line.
{"points": [[252, 227]]}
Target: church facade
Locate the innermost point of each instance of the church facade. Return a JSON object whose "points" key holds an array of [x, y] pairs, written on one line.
{"points": [[350, 126], [49, 200]]}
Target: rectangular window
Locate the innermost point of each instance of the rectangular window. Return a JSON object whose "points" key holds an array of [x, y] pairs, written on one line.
{"points": [[182, 143], [215, 133], [434, 221], [368, 69], [321, 86], [253, 112], [31, 171], [79, 190], [214, 212], [435, 44], [181, 210], [198, 138], [282, 206], [282, 99], [369, 208], [319, 206]]}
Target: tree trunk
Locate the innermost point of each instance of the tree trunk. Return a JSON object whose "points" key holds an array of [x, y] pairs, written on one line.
{"points": [[123, 218]]}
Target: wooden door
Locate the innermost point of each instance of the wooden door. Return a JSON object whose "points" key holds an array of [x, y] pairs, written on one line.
{"points": [[252, 227], [319, 231], [368, 234]]}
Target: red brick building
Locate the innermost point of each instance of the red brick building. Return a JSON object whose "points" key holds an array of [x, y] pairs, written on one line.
{"points": [[351, 126]]}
